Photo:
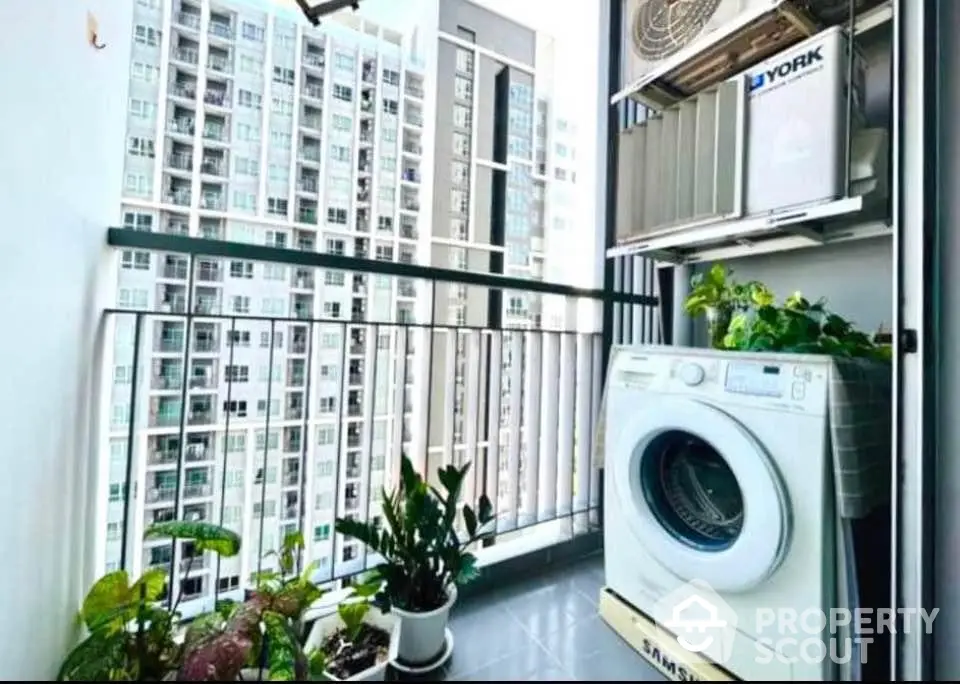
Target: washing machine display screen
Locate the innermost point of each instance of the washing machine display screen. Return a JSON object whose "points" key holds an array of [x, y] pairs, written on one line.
{"points": [[762, 380]]}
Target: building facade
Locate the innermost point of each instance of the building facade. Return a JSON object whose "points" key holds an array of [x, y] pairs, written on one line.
{"points": [[275, 406]]}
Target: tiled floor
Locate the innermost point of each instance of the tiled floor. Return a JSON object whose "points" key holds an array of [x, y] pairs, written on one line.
{"points": [[545, 629]]}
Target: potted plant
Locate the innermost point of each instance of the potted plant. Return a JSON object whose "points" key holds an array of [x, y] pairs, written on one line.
{"points": [[751, 320], [425, 556], [357, 641], [717, 297], [259, 638], [130, 635]]}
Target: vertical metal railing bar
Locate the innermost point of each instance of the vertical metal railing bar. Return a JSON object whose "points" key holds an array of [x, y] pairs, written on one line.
{"points": [[530, 468], [400, 410], [491, 483], [515, 425], [471, 403], [341, 391], [231, 342], [451, 357], [549, 427], [128, 495], [369, 419], [431, 331], [181, 446], [304, 442], [595, 492], [566, 423], [266, 446]]}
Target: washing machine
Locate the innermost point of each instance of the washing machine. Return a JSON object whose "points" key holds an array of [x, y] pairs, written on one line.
{"points": [[718, 480]]}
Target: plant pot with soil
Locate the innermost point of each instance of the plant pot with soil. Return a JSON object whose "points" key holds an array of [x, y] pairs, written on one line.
{"points": [[355, 643], [425, 551]]}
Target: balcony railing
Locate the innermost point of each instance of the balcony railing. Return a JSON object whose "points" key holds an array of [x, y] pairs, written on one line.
{"points": [[523, 411]]}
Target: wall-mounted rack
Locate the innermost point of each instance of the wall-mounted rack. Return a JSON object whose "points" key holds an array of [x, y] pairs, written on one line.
{"points": [[708, 229]]}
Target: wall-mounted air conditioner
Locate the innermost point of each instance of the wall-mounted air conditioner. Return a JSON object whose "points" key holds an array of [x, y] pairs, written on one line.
{"points": [[763, 149], [673, 50]]}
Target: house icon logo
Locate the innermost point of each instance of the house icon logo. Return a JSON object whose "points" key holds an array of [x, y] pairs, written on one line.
{"points": [[698, 619]]}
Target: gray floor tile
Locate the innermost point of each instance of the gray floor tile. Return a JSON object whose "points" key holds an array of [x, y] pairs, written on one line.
{"points": [[484, 634], [542, 629], [521, 666]]}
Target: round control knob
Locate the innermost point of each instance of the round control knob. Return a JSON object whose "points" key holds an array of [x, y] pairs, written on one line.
{"points": [[691, 374]]}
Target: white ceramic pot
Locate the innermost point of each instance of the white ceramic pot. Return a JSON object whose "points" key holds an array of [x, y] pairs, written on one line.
{"points": [[423, 635], [328, 625]]}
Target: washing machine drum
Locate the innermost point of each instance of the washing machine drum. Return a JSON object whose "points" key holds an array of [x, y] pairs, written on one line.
{"points": [[701, 494]]}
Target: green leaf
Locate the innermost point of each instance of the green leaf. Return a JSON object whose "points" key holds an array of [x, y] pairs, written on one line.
{"points": [[205, 536], [470, 521], [107, 601], [353, 613], [468, 570], [99, 657]]}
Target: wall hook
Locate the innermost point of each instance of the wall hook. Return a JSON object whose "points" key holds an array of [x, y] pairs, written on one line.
{"points": [[93, 32]]}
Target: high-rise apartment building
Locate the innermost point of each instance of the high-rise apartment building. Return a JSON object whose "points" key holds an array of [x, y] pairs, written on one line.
{"points": [[246, 124], [504, 165]]}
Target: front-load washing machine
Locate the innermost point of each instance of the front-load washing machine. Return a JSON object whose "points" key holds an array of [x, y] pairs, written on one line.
{"points": [[719, 481]]}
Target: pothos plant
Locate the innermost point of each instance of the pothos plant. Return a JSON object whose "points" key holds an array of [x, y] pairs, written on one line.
{"points": [[262, 633], [755, 322], [130, 634], [425, 545]]}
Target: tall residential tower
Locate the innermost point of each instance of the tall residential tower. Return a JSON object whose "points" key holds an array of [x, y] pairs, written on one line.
{"points": [[274, 408]]}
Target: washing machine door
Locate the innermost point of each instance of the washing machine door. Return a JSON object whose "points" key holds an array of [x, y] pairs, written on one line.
{"points": [[701, 494]]}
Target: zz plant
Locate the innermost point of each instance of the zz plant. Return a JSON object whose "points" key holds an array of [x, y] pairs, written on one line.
{"points": [[130, 635], [426, 540]]}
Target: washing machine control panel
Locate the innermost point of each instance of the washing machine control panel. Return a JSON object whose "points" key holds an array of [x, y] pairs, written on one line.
{"points": [[755, 379]]}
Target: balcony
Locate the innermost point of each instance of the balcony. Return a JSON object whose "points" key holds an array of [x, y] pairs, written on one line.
{"points": [[531, 514]]}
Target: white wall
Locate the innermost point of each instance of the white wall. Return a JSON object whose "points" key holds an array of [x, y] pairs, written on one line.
{"points": [[62, 123]]}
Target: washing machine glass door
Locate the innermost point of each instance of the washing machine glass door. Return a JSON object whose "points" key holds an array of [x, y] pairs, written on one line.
{"points": [[701, 494]]}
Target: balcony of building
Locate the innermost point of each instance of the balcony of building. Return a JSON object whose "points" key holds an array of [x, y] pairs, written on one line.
{"points": [[314, 56]]}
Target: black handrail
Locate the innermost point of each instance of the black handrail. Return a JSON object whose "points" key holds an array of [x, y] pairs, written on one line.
{"points": [[201, 247]]}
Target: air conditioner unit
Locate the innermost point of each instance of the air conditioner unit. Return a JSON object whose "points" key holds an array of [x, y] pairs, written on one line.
{"points": [[673, 50], [766, 147]]}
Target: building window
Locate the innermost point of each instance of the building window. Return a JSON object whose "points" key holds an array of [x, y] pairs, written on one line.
{"points": [[340, 153], [462, 116], [391, 77], [461, 145], [342, 92], [283, 75], [241, 269], [465, 61], [390, 107], [342, 123], [344, 61], [146, 35], [139, 261], [463, 88], [460, 173], [237, 373], [252, 32], [245, 98], [338, 216]]}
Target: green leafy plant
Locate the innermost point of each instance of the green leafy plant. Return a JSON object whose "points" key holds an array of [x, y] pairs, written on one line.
{"points": [[425, 543], [356, 646], [354, 608], [755, 322], [129, 634], [716, 296], [263, 632]]}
